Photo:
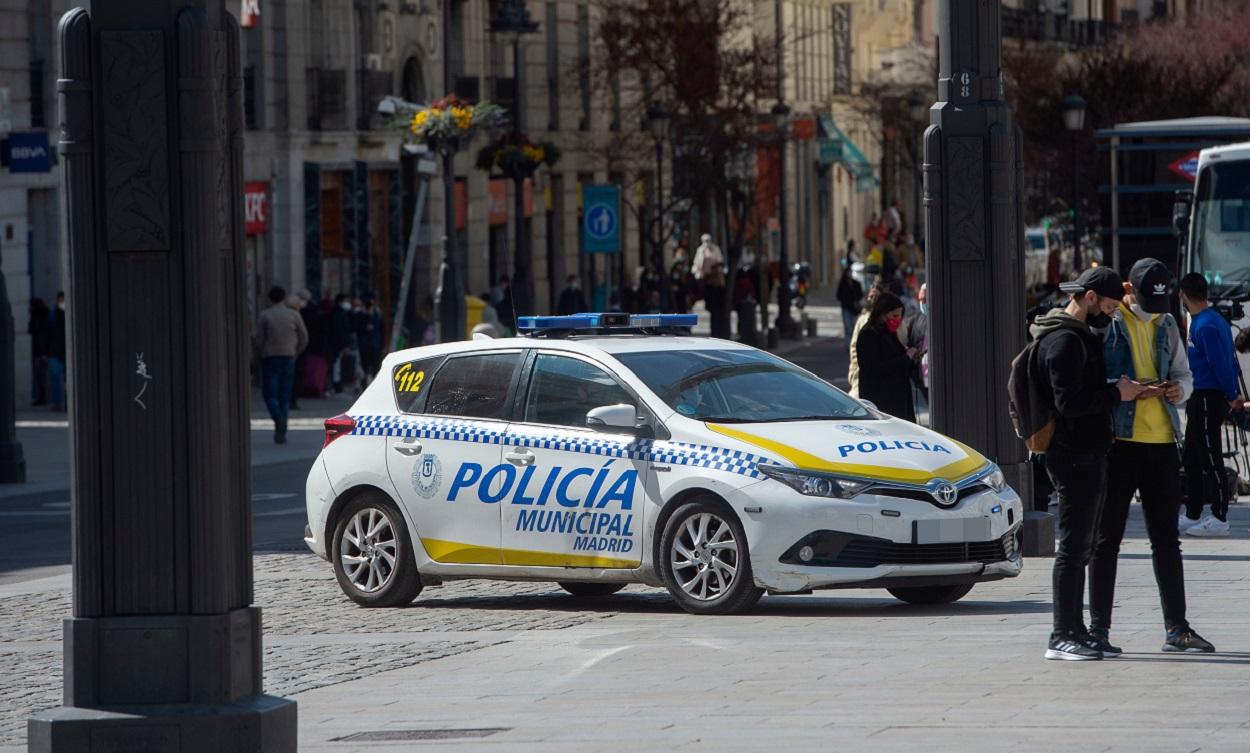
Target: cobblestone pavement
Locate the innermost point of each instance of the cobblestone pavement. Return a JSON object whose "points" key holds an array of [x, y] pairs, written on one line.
{"points": [[314, 636]]}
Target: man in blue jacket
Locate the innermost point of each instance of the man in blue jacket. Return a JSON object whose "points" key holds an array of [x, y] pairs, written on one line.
{"points": [[1214, 365]]}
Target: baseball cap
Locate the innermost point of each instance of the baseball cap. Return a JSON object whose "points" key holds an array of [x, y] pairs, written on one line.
{"points": [[1153, 285], [1104, 281]]}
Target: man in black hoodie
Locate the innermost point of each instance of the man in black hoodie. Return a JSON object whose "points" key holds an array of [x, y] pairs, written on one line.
{"points": [[1070, 367]]}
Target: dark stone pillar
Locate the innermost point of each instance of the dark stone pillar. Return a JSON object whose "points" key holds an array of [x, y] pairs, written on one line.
{"points": [[12, 462], [163, 652], [972, 173]]}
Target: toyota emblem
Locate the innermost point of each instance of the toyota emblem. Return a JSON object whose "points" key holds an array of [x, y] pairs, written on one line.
{"points": [[944, 492]]}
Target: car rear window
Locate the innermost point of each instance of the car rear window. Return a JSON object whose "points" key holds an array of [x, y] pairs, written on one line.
{"points": [[411, 382], [473, 386]]}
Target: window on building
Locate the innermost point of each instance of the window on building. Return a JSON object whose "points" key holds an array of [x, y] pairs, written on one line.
{"points": [[583, 65], [553, 68]]}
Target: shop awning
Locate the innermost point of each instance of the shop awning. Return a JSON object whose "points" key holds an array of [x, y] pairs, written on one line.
{"points": [[835, 146]]}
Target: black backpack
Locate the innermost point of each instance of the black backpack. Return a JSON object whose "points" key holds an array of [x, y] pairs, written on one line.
{"points": [[1031, 403]]}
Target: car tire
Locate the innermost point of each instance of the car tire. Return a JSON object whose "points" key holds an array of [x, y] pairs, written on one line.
{"points": [[590, 590], [372, 554], [702, 544], [925, 595]]}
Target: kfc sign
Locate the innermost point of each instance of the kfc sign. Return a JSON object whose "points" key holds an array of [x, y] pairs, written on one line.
{"points": [[250, 14], [256, 207]]}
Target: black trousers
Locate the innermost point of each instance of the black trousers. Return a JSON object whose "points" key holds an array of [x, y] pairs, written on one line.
{"points": [[1081, 481], [1153, 469], [1204, 454]]}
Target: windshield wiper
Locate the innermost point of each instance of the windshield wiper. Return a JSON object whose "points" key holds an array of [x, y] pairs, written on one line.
{"points": [[725, 420], [823, 418]]}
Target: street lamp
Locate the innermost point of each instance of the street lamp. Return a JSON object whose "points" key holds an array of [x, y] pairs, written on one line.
{"points": [[785, 324], [916, 105], [447, 297], [1074, 121], [657, 123], [512, 20]]}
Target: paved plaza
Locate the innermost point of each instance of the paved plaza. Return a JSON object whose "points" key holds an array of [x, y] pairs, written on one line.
{"points": [[502, 666]]}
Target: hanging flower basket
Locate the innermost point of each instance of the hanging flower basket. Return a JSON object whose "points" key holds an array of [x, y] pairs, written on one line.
{"points": [[516, 156], [446, 122]]}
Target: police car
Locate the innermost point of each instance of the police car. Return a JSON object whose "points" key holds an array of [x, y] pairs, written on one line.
{"points": [[607, 449]]}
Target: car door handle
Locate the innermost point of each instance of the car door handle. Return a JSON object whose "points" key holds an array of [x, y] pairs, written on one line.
{"points": [[411, 448], [520, 457]]}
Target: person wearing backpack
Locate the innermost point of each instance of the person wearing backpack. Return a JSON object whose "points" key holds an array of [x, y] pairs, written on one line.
{"points": [[1068, 369], [1144, 343]]}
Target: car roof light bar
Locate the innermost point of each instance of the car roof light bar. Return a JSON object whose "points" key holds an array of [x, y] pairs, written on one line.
{"points": [[608, 322]]}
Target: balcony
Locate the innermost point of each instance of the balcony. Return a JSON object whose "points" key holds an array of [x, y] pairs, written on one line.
{"points": [[1043, 26]]}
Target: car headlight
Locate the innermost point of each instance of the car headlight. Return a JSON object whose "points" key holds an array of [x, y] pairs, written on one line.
{"points": [[814, 483], [996, 480]]}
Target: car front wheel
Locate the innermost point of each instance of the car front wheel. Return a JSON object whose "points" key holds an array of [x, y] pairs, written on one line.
{"points": [[372, 555], [922, 595], [704, 559]]}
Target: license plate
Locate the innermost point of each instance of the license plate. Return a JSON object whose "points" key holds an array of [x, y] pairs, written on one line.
{"points": [[952, 530]]}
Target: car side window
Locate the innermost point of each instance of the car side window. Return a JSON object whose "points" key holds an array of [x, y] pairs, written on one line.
{"points": [[563, 390], [473, 386], [411, 381]]}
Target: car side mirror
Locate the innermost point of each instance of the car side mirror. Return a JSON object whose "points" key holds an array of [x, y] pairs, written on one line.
{"points": [[621, 419], [1181, 210]]}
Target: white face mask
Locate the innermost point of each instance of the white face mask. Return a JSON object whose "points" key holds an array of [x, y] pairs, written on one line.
{"points": [[1142, 314], [345, 306]]}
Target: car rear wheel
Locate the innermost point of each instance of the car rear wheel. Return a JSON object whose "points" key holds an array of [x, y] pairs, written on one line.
{"points": [[372, 555], [704, 560], [591, 590], [931, 594]]}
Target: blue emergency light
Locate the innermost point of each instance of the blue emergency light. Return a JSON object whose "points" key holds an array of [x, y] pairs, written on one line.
{"points": [[607, 321]]}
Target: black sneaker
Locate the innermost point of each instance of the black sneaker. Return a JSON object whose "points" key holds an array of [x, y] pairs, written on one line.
{"points": [[1099, 640], [1069, 646], [1186, 641]]}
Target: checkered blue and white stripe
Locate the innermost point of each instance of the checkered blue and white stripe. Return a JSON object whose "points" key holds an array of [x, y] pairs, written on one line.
{"points": [[650, 450]]}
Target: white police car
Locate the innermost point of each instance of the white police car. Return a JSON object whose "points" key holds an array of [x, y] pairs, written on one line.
{"points": [[606, 449]]}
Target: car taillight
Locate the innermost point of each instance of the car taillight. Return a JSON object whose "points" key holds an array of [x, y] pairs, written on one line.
{"points": [[339, 426]]}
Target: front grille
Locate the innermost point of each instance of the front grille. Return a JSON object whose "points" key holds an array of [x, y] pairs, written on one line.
{"points": [[921, 495], [836, 549]]}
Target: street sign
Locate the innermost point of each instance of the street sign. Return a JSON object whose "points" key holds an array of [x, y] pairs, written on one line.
{"points": [[601, 219], [1186, 167]]}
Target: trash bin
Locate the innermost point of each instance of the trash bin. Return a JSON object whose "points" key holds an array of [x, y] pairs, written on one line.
{"points": [[473, 307]]}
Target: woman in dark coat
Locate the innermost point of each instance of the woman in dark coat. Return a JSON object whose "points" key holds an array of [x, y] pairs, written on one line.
{"points": [[885, 366]]}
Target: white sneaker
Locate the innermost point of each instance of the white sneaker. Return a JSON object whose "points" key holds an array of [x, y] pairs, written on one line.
{"points": [[1208, 527], [1184, 522]]}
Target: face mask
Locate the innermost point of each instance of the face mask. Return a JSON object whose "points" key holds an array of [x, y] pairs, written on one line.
{"points": [[1099, 320], [345, 306], [61, 306], [1142, 314], [924, 308], [573, 286], [893, 324]]}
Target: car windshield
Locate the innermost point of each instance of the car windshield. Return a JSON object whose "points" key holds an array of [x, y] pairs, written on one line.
{"points": [[739, 386], [1222, 228]]}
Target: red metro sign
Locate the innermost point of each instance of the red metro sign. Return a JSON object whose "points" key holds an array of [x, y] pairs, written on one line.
{"points": [[1186, 167]]}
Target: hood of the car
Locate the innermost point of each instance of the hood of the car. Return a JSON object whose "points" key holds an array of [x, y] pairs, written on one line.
{"points": [[890, 449]]}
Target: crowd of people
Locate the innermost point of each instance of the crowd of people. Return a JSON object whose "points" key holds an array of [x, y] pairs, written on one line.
{"points": [[1114, 371]]}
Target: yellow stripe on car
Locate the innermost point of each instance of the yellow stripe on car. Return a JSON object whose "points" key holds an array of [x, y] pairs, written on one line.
{"points": [[971, 463], [454, 552]]}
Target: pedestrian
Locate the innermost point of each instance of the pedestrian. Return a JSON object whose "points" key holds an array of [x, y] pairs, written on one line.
{"points": [[679, 289], [852, 369], [1070, 369], [282, 336], [343, 367], [39, 327], [1216, 376], [1144, 343], [505, 307], [572, 299], [915, 334], [893, 220], [850, 293], [885, 364], [370, 335], [57, 375]]}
